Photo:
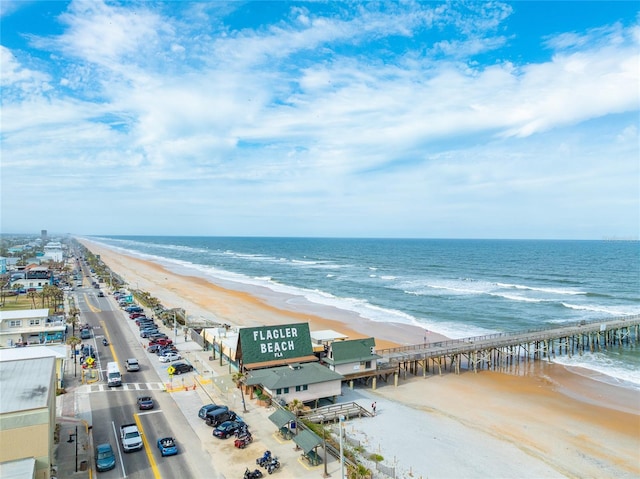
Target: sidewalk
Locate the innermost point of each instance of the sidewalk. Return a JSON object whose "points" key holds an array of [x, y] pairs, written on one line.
{"points": [[73, 451]]}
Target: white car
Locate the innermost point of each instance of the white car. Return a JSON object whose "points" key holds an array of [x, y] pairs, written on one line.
{"points": [[167, 358]]}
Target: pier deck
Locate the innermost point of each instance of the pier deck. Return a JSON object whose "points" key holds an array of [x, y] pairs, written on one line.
{"points": [[505, 349]]}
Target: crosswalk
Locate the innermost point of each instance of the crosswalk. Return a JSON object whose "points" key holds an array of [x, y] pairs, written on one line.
{"points": [[95, 388]]}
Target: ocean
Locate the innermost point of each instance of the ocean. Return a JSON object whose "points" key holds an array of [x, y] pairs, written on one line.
{"points": [[458, 288]]}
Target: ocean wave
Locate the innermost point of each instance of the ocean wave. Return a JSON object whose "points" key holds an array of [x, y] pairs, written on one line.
{"points": [[561, 291], [622, 372]]}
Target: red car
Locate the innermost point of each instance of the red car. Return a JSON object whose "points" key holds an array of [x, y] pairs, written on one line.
{"points": [[160, 342], [135, 315]]}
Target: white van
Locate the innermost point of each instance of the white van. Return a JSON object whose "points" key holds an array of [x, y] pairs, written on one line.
{"points": [[114, 378]]}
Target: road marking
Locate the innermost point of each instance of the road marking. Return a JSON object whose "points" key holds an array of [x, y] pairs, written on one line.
{"points": [[106, 334], [128, 387], [91, 307], [147, 449], [118, 445], [149, 412]]}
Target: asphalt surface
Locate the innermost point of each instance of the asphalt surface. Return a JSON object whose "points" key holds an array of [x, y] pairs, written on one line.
{"points": [[210, 382]]}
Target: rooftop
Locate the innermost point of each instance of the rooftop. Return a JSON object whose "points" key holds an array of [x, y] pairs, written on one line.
{"points": [[25, 384]]}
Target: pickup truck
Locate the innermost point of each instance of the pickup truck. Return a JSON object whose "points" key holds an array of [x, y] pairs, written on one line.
{"points": [[130, 437]]}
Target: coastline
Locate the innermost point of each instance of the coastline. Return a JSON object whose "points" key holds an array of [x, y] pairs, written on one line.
{"points": [[563, 421]]}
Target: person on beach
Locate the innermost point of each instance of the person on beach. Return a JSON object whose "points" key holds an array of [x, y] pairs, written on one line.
{"points": [[373, 407]]}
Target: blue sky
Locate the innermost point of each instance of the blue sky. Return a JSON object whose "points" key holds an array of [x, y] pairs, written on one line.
{"points": [[347, 119]]}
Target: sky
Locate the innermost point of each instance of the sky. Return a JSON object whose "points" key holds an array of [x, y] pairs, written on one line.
{"points": [[321, 119]]}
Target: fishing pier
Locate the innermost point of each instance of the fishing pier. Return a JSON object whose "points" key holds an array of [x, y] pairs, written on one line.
{"points": [[503, 350]]}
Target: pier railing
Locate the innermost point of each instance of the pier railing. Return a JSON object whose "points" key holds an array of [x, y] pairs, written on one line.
{"points": [[456, 346]]}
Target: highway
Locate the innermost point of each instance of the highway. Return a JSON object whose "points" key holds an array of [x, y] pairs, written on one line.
{"points": [[112, 407]]}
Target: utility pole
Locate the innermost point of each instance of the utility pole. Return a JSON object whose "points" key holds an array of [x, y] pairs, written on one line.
{"points": [[341, 450]]}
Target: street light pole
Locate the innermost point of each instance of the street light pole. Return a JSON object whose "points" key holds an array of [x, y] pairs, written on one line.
{"points": [[341, 450], [175, 328], [324, 446]]}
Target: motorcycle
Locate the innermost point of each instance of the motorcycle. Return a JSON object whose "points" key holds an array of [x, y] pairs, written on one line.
{"points": [[266, 457], [243, 441], [255, 474], [105, 342], [272, 465]]}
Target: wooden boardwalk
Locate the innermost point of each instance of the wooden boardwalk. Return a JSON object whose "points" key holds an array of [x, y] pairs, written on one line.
{"points": [[508, 349]]}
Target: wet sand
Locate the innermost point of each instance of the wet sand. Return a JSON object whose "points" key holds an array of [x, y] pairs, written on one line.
{"points": [[539, 421]]}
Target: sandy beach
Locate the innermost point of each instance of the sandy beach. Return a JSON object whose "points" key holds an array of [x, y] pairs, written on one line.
{"points": [[544, 421]]}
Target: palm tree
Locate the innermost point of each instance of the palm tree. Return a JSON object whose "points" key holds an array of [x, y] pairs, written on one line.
{"points": [[73, 318], [73, 341], [239, 378], [32, 295], [359, 472]]}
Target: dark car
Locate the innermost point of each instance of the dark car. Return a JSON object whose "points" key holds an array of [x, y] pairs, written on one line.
{"points": [[105, 458], [100, 294], [218, 416], [158, 336], [202, 413], [227, 428], [134, 309], [153, 348], [145, 402], [145, 333], [182, 367]]}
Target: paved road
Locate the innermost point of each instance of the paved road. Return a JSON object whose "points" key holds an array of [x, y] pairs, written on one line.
{"points": [[98, 409]]}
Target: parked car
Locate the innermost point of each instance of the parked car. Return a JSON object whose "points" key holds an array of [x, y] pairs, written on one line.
{"points": [[227, 428], [105, 458], [166, 350], [135, 315], [157, 336], [167, 446], [202, 413], [182, 368], [85, 333], [153, 348], [140, 320], [170, 357], [145, 402], [145, 333], [218, 416], [161, 341], [134, 309]]}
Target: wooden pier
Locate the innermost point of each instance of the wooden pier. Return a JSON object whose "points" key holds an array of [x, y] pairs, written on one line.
{"points": [[504, 350]]}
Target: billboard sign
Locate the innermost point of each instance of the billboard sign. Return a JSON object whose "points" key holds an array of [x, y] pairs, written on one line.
{"points": [[268, 343]]}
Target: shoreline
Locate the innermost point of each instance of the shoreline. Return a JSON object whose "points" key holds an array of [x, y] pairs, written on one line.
{"points": [[541, 410]]}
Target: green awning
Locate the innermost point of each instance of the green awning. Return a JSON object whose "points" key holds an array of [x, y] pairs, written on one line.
{"points": [[307, 440], [282, 417]]}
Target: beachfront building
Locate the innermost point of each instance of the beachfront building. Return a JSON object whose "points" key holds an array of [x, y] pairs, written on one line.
{"points": [[353, 358], [28, 416], [30, 326], [306, 382]]}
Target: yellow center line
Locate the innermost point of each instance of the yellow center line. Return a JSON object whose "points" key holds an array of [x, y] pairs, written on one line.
{"points": [[91, 307], [152, 461], [106, 335]]}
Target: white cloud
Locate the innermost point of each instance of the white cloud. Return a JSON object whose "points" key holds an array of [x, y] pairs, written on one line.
{"points": [[287, 121]]}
